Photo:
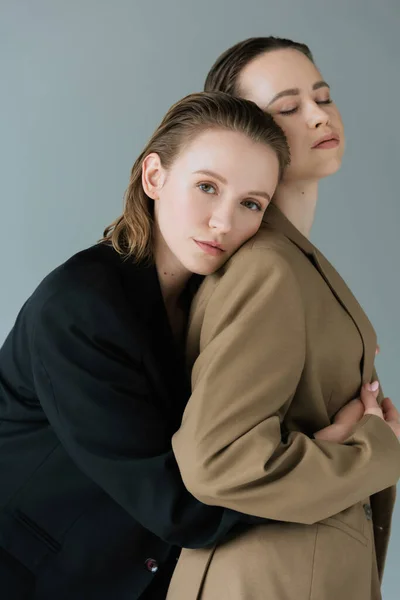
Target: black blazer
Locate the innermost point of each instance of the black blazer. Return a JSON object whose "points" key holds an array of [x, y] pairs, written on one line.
{"points": [[92, 505]]}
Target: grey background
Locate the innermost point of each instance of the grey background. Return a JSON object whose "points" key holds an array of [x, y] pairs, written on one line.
{"points": [[85, 82]]}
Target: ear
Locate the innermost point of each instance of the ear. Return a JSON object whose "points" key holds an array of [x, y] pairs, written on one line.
{"points": [[153, 175]]}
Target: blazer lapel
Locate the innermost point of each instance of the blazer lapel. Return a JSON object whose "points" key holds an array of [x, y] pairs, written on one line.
{"points": [[196, 318], [350, 304], [163, 359], [275, 219]]}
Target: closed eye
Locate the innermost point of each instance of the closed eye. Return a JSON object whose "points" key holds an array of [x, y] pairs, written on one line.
{"points": [[289, 112], [292, 111]]}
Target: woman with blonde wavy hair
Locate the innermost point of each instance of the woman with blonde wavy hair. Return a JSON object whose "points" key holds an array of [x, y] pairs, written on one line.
{"points": [[92, 381]]}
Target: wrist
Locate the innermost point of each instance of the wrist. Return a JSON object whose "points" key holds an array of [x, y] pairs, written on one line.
{"points": [[336, 432]]}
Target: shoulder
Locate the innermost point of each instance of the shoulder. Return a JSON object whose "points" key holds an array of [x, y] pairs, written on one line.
{"points": [[267, 252], [264, 267], [91, 280], [90, 269], [266, 245]]}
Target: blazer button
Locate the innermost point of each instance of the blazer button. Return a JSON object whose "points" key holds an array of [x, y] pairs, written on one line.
{"points": [[151, 565], [368, 511]]}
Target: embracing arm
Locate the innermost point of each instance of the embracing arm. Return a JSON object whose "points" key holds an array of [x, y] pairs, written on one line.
{"points": [[94, 391], [229, 447], [382, 504]]}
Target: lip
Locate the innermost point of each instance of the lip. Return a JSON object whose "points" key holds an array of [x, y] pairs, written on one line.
{"points": [[329, 137], [212, 248]]}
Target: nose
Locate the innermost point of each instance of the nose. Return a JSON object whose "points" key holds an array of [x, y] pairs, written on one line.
{"points": [[317, 116], [221, 218]]}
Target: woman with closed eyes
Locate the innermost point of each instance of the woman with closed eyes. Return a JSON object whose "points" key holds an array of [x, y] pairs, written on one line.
{"points": [[283, 422]]}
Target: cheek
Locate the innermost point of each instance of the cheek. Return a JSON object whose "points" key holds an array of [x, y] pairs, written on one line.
{"points": [[294, 135], [247, 230], [193, 213], [298, 153], [182, 212], [171, 202], [335, 119], [335, 115], [341, 125]]}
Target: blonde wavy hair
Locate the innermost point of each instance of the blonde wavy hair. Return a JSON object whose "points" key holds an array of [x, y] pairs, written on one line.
{"points": [[131, 234]]}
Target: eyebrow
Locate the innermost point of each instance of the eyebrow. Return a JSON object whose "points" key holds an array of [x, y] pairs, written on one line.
{"points": [[224, 181], [296, 91]]}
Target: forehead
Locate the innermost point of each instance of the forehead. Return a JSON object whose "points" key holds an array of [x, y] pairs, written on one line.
{"points": [[275, 71], [218, 146], [232, 154]]}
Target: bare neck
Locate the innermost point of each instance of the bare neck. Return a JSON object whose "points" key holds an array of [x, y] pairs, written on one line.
{"points": [[172, 275], [297, 200]]}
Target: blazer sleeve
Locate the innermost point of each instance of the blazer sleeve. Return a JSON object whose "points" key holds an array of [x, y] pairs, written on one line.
{"points": [[95, 394], [382, 504], [229, 447]]}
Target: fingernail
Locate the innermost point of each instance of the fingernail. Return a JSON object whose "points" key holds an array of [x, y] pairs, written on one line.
{"points": [[373, 386]]}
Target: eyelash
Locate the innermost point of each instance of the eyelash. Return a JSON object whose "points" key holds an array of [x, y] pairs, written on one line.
{"points": [[259, 208], [294, 110], [255, 203], [207, 184]]}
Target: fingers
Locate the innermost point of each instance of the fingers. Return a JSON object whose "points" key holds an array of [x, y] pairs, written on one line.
{"points": [[351, 412], [373, 387], [369, 393], [390, 412], [395, 427]]}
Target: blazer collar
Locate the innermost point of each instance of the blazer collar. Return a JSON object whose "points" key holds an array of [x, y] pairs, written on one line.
{"points": [[277, 221], [144, 296], [140, 282]]}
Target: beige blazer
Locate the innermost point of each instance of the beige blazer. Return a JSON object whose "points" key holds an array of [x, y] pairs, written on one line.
{"points": [[278, 345]]}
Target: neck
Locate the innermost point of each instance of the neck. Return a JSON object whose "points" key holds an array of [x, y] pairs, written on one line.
{"points": [[297, 200], [172, 275]]}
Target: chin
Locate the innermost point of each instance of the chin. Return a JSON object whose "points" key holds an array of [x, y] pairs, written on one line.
{"points": [[330, 168], [314, 172], [204, 268]]}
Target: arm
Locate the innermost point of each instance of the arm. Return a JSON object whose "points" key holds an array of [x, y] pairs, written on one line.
{"points": [[94, 391], [229, 447], [382, 504]]}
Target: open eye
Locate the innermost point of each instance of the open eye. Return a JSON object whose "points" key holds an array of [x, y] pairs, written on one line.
{"points": [[207, 188], [252, 205]]}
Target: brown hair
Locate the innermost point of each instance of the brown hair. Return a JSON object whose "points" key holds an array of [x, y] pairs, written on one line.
{"points": [[224, 74], [132, 233]]}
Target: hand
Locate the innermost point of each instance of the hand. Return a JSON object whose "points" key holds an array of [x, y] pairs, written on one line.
{"points": [[354, 410], [369, 393], [388, 412], [350, 414]]}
